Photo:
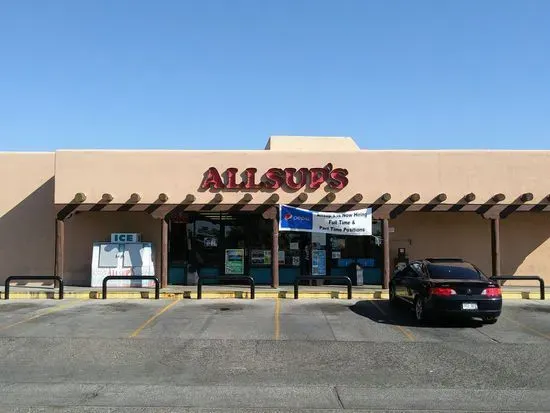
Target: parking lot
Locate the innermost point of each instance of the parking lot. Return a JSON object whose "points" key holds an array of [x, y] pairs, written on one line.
{"points": [[267, 355]]}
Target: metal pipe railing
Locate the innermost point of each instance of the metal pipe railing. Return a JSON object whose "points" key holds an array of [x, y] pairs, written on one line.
{"points": [[346, 280], [131, 277], [523, 277], [249, 280], [33, 278]]}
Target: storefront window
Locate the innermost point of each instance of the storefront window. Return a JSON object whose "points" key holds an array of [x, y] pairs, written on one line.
{"points": [[204, 245], [178, 252], [365, 251], [290, 245]]}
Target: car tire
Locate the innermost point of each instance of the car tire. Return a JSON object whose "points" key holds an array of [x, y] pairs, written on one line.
{"points": [[419, 311], [393, 298], [490, 320]]}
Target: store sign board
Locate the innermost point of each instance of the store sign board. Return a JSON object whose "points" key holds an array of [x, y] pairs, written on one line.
{"points": [[357, 222], [275, 178], [125, 237]]}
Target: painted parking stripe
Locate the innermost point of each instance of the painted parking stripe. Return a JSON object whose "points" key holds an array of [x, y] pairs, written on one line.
{"points": [[526, 327], [43, 313], [153, 318], [277, 319], [406, 332]]}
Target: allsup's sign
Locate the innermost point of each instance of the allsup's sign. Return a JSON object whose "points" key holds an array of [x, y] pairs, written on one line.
{"points": [[275, 178]]}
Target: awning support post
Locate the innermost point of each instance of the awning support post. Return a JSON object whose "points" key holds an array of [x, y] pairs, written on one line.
{"points": [[59, 247], [387, 269], [164, 254], [495, 246]]}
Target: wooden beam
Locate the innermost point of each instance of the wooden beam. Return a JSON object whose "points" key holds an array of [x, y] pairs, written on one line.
{"points": [[471, 197], [80, 197], [495, 246], [164, 254], [526, 197], [414, 197], [386, 197], [106, 197], [442, 197], [387, 269], [499, 197], [59, 247]]}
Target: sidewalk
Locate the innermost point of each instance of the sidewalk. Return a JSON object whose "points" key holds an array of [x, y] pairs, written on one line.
{"points": [[368, 292]]}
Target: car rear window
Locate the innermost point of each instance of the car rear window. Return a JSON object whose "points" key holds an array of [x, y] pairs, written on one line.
{"points": [[454, 271]]}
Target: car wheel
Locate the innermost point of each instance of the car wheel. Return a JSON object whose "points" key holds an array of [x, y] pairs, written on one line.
{"points": [[419, 309], [490, 320], [393, 298]]}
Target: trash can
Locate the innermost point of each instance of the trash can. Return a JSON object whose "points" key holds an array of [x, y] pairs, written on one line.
{"points": [[358, 275]]}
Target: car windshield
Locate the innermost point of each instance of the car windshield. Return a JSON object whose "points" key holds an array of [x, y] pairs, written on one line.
{"points": [[453, 271]]}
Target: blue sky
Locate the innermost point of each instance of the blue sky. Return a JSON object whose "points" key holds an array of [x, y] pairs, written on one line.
{"points": [[213, 74]]}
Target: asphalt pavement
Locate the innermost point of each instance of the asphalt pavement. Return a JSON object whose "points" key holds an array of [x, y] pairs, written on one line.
{"points": [[267, 355]]}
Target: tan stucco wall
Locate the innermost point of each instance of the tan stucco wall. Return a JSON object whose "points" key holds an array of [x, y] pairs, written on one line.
{"points": [[83, 229], [27, 229], [525, 240], [27, 214], [371, 173], [443, 234]]}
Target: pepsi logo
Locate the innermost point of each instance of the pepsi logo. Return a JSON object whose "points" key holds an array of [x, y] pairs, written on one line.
{"points": [[288, 216]]}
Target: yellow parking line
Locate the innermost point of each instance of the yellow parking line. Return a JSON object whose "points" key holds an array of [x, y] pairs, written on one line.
{"points": [[46, 312], [277, 318], [150, 320], [546, 336], [407, 333]]}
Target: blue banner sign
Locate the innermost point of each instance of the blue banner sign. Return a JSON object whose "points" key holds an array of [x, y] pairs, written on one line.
{"points": [[357, 222]]}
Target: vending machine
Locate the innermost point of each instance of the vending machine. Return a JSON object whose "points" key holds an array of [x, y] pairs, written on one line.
{"points": [[125, 255]]}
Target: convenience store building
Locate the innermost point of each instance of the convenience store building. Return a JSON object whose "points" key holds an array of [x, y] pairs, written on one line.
{"points": [[489, 207]]}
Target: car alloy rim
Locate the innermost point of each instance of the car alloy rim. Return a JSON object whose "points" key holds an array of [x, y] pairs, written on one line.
{"points": [[418, 308]]}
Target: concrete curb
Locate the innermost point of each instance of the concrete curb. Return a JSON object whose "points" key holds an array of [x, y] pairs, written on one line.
{"points": [[229, 294]]}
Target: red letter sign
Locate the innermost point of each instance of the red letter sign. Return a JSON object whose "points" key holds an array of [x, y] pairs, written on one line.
{"points": [[212, 179]]}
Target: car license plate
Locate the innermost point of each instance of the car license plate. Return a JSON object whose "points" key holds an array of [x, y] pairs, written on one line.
{"points": [[469, 306]]}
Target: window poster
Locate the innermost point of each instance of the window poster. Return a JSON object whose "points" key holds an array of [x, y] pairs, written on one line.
{"points": [[318, 262], [234, 261], [257, 257], [267, 257], [281, 257]]}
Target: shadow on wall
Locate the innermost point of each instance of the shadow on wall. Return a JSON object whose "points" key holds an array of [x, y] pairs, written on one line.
{"points": [[525, 240], [525, 245], [27, 235], [85, 228]]}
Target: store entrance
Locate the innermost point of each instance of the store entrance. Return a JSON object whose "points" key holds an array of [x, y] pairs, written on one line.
{"points": [[240, 244], [219, 244]]}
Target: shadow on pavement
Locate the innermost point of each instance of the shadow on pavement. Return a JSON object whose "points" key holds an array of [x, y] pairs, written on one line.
{"points": [[380, 311]]}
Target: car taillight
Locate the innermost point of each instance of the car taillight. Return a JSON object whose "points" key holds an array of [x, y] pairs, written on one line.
{"points": [[492, 292], [442, 291]]}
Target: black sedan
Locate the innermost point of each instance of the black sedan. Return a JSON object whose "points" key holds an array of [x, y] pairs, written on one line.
{"points": [[442, 287]]}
